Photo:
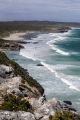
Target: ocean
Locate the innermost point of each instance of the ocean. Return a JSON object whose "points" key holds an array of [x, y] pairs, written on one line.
{"points": [[59, 53]]}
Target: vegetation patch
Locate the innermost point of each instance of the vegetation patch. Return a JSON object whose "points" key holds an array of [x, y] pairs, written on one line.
{"points": [[2, 41], [21, 26], [13, 103], [4, 59], [65, 115]]}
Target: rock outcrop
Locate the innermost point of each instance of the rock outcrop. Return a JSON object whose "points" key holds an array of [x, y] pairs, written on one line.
{"points": [[42, 111], [16, 81], [10, 69], [39, 65], [47, 109], [11, 46], [21, 115]]}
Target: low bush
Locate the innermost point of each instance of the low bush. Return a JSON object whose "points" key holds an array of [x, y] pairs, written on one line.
{"points": [[65, 115], [13, 103]]}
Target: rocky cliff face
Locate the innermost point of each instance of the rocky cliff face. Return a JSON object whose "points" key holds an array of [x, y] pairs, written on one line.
{"points": [[10, 70], [11, 46], [42, 111], [19, 92], [15, 81]]}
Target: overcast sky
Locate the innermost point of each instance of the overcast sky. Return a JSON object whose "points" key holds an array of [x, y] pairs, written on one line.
{"points": [[52, 10]]}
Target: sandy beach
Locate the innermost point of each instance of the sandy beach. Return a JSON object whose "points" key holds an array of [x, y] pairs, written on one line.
{"points": [[15, 36], [18, 36]]}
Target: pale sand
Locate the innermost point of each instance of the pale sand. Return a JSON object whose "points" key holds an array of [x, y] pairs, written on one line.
{"points": [[15, 36], [18, 36]]}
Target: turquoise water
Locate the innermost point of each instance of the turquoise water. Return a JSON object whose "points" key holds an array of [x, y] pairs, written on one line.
{"points": [[60, 55]]}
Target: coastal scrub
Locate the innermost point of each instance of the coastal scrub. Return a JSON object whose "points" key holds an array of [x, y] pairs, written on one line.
{"points": [[13, 103], [65, 115]]}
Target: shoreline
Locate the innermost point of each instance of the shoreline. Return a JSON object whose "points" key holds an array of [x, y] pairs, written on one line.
{"points": [[38, 105], [15, 37], [26, 40], [18, 36], [41, 102]]}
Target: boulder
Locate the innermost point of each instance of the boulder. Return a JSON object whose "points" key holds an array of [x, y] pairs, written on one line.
{"points": [[49, 108], [6, 71], [72, 109], [11, 46], [20, 115], [68, 102], [39, 65], [37, 103]]}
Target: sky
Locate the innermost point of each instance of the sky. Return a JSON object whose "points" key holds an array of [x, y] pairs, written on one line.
{"points": [[51, 10]]}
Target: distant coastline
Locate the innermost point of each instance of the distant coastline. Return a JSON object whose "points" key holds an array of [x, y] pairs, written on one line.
{"points": [[29, 89]]}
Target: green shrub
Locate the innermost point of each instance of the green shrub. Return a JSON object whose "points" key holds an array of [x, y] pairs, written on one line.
{"points": [[65, 115], [13, 103], [3, 59]]}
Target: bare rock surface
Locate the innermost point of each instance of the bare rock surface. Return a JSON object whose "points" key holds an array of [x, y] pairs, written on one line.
{"points": [[43, 109], [20, 115], [11, 46]]}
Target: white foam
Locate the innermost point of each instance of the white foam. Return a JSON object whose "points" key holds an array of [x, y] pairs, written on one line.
{"points": [[70, 84], [33, 53], [23, 53], [60, 76], [56, 49], [75, 53], [60, 34], [62, 66], [74, 28]]}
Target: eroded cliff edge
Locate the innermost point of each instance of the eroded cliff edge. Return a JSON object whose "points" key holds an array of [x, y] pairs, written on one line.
{"points": [[22, 97]]}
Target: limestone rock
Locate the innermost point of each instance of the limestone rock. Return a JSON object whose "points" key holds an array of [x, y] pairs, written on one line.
{"points": [[49, 108], [38, 116], [6, 71], [20, 115], [37, 103]]}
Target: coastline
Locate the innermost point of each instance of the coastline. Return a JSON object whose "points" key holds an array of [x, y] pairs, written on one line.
{"points": [[15, 36], [19, 37], [42, 109]]}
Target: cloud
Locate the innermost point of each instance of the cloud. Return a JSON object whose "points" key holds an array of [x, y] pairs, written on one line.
{"points": [[38, 9]]}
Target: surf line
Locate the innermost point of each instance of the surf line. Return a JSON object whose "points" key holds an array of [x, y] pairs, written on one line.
{"points": [[71, 86]]}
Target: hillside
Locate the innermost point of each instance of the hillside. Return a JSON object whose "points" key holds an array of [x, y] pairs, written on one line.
{"points": [[42, 26]]}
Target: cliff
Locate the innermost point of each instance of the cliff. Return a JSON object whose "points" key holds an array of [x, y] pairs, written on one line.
{"points": [[9, 70], [22, 98]]}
